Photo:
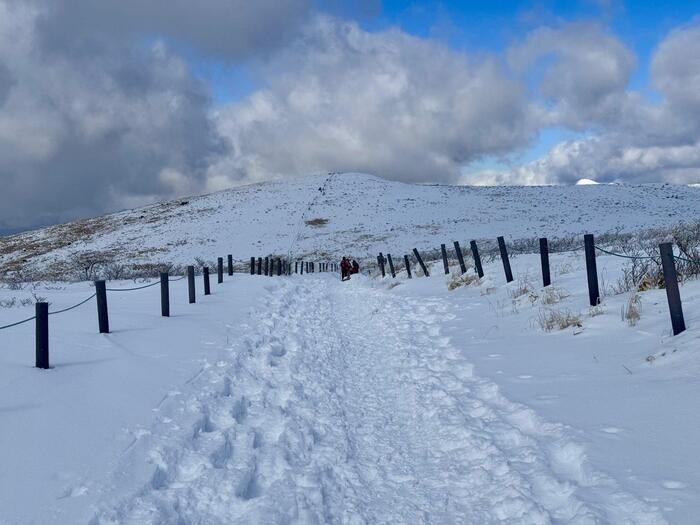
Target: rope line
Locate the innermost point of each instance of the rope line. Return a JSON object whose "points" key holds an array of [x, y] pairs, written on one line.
{"points": [[691, 261], [131, 289], [18, 322], [637, 257], [178, 279], [81, 303]]}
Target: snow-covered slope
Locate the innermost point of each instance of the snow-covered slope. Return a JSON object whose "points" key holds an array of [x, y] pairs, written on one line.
{"points": [[329, 215]]}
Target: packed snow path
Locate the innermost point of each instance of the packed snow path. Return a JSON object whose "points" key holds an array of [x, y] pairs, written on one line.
{"points": [[344, 404]]}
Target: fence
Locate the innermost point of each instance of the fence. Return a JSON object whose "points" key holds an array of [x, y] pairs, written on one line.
{"points": [[666, 257], [272, 267]]}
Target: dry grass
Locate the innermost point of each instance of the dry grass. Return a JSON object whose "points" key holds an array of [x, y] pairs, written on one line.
{"points": [[317, 223], [632, 310], [553, 295], [457, 280], [549, 319]]}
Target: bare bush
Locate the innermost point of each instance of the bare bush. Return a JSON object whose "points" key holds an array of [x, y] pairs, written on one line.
{"points": [[553, 295]]}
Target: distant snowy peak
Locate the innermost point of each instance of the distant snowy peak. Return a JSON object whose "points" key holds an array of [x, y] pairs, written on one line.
{"points": [[586, 182]]}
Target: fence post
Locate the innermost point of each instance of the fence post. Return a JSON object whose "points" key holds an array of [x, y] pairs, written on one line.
{"points": [[279, 267], [380, 260], [391, 266], [252, 266], [190, 283], [102, 315], [205, 277], [220, 270], [42, 335], [445, 264], [259, 265], [460, 258], [408, 266], [504, 257], [301, 267], [420, 261], [477, 259], [164, 295], [544, 258], [267, 265], [672, 293], [296, 266], [230, 264], [271, 268], [591, 269]]}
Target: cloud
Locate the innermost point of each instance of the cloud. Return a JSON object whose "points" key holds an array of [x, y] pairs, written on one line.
{"points": [[341, 98]]}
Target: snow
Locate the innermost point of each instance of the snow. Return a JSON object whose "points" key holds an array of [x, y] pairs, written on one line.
{"points": [[586, 182], [365, 214], [306, 400]]}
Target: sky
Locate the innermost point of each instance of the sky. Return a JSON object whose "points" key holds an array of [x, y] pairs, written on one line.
{"points": [[119, 103]]}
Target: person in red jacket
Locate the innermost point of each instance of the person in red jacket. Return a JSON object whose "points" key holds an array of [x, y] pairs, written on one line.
{"points": [[355, 267], [345, 269]]}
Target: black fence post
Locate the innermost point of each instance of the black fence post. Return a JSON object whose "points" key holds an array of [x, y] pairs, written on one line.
{"points": [[445, 264], [301, 267], [672, 293], [42, 335], [230, 264], [544, 258], [380, 260], [164, 295], [220, 270], [477, 259], [420, 261], [591, 270], [259, 265], [252, 266], [296, 266], [190, 283], [271, 268], [267, 265], [460, 258], [408, 266], [102, 315], [205, 277], [391, 266], [504, 257], [279, 267]]}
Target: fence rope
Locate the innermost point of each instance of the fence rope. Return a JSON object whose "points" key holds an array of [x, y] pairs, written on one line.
{"points": [[691, 261], [637, 257], [81, 303], [131, 289], [178, 279], [18, 322]]}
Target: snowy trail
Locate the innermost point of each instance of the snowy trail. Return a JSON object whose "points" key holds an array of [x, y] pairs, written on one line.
{"points": [[344, 404]]}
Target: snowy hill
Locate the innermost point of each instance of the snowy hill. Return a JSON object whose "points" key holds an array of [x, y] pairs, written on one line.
{"points": [[329, 215]]}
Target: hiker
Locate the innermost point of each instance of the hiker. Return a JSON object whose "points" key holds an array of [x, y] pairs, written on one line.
{"points": [[355, 267], [344, 270]]}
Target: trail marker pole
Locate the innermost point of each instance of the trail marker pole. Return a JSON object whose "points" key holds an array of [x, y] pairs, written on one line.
{"points": [[460, 258], [544, 258], [164, 295], [591, 270], [102, 314], [445, 264], [477, 259], [420, 261], [190, 284], [504, 257], [42, 335], [673, 295]]}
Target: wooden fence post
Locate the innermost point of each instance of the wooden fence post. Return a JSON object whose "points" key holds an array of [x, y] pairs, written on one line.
{"points": [[296, 266], [164, 295], [102, 314], [544, 258], [267, 265], [445, 264], [477, 259], [460, 258], [252, 266], [42, 335], [279, 267], [420, 261], [190, 284], [391, 266], [672, 293], [230, 264], [220, 270], [408, 266], [259, 265], [301, 267], [205, 277], [380, 260], [591, 270], [504, 257]]}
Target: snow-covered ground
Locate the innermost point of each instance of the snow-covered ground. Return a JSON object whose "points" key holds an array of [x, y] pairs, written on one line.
{"points": [[332, 215], [307, 400]]}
